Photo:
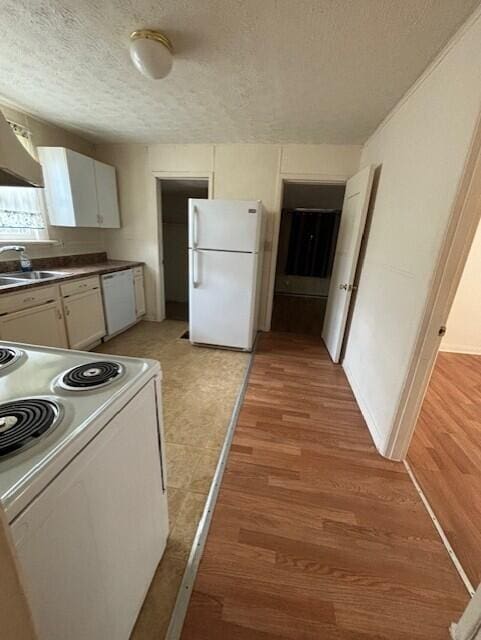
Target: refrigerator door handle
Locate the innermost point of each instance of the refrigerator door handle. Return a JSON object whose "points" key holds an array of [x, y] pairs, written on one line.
{"points": [[195, 268], [195, 227]]}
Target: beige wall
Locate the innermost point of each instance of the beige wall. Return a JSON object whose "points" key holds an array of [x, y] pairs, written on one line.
{"points": [[70, 241], [250, 172], [464, 322], [240, 171], [138, 237], [421, 149]]}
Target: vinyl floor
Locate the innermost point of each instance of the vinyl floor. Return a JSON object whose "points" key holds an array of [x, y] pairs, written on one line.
{"points": [[199, 390]]}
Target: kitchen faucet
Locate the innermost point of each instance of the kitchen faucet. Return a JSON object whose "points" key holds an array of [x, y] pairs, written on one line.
{"points": [[25, 262]]}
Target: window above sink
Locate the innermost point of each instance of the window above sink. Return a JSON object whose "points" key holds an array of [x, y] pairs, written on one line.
{"points": [[22, 209]]}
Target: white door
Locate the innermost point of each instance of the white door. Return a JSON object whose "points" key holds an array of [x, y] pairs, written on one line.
{"points": [[222, 298], [226, 225], [353, 220], [108, 205]]}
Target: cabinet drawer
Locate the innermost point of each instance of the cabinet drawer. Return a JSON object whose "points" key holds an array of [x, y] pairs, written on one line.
{"points": [[138, 272], [79, 286], [27, 298]]}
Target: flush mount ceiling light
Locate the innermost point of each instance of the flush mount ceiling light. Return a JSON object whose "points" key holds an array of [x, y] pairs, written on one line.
{"points": [[151, 53]]}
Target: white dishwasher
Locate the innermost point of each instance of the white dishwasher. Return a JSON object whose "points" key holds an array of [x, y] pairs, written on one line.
{"points": [[119, 301]]}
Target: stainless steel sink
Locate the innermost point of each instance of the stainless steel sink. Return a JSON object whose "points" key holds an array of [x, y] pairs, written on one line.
{"points": [[34, 275], [5, 281], [22, 277]]}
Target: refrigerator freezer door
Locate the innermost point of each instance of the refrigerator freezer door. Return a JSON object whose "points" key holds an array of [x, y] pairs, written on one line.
{"points": [[225, 225], [222, 302]]}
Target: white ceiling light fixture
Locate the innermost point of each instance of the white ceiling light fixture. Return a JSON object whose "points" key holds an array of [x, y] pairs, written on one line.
{"points": [[151, 53]]}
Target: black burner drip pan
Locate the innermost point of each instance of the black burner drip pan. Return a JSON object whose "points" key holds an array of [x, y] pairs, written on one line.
{"points": [[91, 375], [23, 421], [8, 356]]}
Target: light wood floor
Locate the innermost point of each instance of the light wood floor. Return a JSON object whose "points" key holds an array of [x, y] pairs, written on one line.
{"points": [[315, 536], [445, 454]]}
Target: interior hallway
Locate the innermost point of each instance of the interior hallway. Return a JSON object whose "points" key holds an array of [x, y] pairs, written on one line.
{"points": [[445, 454], [199, 390], [314, 534]]}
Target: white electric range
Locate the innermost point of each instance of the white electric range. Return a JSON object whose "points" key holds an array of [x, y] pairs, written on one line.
{"points": [[82, 482]]}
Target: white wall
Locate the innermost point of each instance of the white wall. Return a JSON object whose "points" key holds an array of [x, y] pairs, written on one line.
{"points": [[421, 148], [70, 241], [244, 171], [464, 322]]}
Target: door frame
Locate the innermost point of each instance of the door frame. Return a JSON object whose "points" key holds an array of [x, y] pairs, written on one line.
{"points": [[293, 178], [458, 238], [158, 176]]}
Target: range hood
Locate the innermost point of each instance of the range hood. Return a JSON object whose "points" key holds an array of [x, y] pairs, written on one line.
{"points": [[17, 167]]}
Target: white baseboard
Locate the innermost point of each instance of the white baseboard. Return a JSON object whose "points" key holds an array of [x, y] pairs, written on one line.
{"points": [[376, 436], [461, 348]]}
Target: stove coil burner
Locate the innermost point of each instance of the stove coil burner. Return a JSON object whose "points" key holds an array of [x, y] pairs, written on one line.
{"points": [[8, 356], [22, 422], [91, 376]]}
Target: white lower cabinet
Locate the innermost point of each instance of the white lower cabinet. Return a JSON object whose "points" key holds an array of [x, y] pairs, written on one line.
{"points": [[139, 293], [41, 325], [66, 315], [84, 318]]}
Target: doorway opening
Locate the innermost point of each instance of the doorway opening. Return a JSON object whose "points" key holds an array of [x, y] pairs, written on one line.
{"points": [[445, 451], [309, 225], [174, 201]]}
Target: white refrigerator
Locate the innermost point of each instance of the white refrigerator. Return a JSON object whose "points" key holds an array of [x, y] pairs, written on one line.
{"points": [[225, 261]]}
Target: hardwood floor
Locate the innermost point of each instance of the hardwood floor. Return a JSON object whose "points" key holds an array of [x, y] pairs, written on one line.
{"points": [[298, 314], [445, 454], [315, 535], [177, 310]]}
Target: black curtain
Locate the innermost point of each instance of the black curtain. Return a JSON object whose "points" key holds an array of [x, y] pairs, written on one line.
{"points": [[312, 242]]}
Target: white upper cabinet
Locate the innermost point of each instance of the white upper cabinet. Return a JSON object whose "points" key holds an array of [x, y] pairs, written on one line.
{"points": [[108, 204], [80, 191]]}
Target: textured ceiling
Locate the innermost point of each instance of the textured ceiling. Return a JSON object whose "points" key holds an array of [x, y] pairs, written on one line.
{"points": [[244, 71]]}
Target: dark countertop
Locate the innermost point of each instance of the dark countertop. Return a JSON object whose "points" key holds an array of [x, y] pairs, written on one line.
{"points": [[71, 273]]}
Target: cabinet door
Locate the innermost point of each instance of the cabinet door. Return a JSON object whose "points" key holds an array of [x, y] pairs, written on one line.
{"points": [[84, 317], [42, 325], [82, 185], [139, 296], [90, 543], [108, 206], [58, 194]]}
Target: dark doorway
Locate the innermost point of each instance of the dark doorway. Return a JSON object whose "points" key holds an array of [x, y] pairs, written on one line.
{"points": [[175, 196], [310, 219]]}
